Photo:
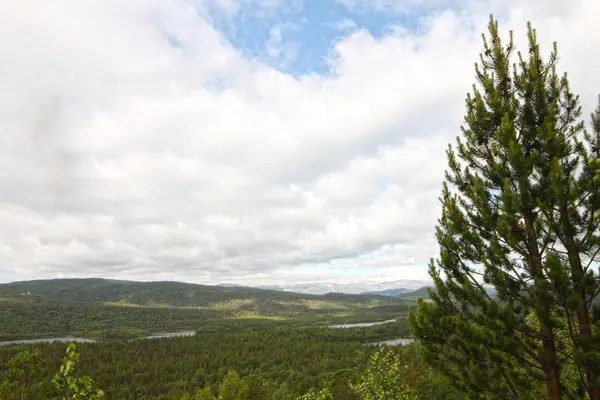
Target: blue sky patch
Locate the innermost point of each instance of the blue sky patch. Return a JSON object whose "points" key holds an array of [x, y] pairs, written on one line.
{"points": [[298, 40]]}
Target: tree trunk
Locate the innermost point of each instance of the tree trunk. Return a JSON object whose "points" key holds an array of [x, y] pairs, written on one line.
{"points": [[582, 313], [549, 364]]}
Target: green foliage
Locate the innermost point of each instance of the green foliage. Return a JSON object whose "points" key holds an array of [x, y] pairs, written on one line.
{"points": [[274, 362], [201, 394], [569, 373], [383, 379], [23, 378], [392, 373], [594, 160], [230, 358], [71, 387], [521, 218], [314, 394], [233, 387], [321, 366]]}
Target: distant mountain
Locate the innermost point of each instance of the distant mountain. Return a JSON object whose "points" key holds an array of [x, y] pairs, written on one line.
{"points": [[421, 293], [424, 293], [361, 287], [390, 292], [165, 294]]}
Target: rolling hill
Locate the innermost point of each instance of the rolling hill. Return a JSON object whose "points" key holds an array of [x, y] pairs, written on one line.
{"points": [[115, 308], [357, 287], [421, 293], [167, 294]]}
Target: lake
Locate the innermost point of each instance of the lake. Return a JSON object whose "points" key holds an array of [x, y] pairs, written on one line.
{"points": [[393, 342], [158, 335], [161, 335], [47, 340], [362, 324]]}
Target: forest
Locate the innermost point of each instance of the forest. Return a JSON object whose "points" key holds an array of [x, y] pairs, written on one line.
{"points": [[118, 309], [275, 345], [262, 362]]}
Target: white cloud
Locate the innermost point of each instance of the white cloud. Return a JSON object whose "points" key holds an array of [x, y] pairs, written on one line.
{"points": [[397, 5], [138, 143]]}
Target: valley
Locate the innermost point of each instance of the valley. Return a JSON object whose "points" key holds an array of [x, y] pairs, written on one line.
{"points": [[105, 309], [288, 342]]}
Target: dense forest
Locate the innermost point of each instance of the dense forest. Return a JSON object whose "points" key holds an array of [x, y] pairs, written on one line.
{"points": [[265, 362], [275, 345], [95, 308]]}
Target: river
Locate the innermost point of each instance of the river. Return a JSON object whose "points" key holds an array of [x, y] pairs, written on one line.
{"points": [[158, 335], [362, 324], [161, 335], [389, 342], [393, 342]]}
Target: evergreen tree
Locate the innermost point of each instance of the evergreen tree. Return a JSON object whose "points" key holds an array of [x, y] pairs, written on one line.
{"points": [[340, 385], [233, 387], [200, 394], [521, 218]]}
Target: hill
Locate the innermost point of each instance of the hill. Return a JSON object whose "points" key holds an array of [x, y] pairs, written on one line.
{"points": [[101, 307], [421, 293], [357, 287], [165, 294]]}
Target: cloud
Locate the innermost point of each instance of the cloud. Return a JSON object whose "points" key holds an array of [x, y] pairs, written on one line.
{"points": [[139, 143], [397, 6]]}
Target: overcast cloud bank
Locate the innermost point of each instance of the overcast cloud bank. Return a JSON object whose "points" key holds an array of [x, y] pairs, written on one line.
{"points": [[139, 143]]}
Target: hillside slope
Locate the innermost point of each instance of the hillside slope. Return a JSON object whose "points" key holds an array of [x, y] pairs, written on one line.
{"points": [[422, 293], [168, 294], [112, 308]]}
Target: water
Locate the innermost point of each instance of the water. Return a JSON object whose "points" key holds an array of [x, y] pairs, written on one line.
{"points": [[393, 342], [161, 335], [47, 340], [363, 324], [83, 340]]}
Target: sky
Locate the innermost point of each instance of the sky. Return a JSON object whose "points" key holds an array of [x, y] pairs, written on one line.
{"points": [[244, 141]]}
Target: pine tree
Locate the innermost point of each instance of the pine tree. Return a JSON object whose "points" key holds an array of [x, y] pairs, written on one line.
{"points": [[233, 387], [519, 214]]}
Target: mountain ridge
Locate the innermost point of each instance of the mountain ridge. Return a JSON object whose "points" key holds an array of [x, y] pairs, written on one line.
{"points": [[390, 292], [161, 293], [360, 287]]}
